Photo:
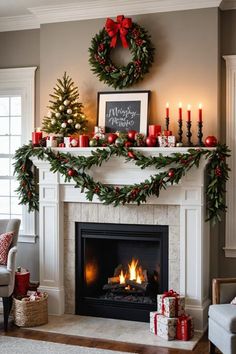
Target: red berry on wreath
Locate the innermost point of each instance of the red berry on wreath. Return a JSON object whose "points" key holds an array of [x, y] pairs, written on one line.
{"points": [[171, 173], [71, 172], [211, 141]]}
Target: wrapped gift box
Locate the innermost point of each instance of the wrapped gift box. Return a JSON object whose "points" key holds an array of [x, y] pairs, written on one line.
{"points": [[163, 326], [185, 328], [171, 141], [171, 304], [163, 141]]}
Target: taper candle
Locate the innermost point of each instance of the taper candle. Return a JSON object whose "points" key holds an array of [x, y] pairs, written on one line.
{"points": [[167, 109], [189, 113], [180, 111], [200, 113]]}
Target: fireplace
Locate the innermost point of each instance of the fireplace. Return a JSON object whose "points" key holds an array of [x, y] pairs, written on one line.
{"points": [[120, 268]]}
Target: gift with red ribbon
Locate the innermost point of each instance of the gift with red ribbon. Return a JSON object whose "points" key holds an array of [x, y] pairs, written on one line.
{"points": [[121, 27], [185, 328], [163, 326], [171, 304]]}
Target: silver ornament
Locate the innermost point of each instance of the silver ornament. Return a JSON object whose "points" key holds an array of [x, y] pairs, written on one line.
{"points": [[69, 111], [63, 125], [61, 107], [77, 126], [58, 115], [70, 121]]}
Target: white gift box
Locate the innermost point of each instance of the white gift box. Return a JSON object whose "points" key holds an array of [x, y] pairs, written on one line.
{"points": [[51, 142], [171, 306], [163, 326]]}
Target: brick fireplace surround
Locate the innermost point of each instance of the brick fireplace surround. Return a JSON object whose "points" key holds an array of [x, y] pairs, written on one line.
{"points": [[181, 207]]}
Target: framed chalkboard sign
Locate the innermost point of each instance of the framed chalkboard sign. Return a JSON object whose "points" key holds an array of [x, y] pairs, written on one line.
{"points": [[123, 111]]}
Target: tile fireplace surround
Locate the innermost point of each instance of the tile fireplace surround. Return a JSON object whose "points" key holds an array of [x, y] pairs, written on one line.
{"points": [[181, 207]]}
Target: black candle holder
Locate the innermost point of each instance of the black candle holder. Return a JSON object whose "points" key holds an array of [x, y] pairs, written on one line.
{"points": [[167, 123], [199, 134], [180, 131], [189, 134]]}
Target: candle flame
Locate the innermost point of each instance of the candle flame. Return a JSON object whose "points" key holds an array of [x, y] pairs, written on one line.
{"points": [[167, 105], [189, 107], [200, 106], [180, 104]]}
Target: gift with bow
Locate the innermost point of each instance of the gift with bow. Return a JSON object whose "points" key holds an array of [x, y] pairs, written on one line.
{"points": [[185, 328], [171, 304]]}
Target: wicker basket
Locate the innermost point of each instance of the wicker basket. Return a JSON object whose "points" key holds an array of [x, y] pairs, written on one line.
{"points": [[30, 313]]}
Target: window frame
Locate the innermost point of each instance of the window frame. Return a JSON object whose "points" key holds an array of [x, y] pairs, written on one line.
{"points": [[21, 81]]}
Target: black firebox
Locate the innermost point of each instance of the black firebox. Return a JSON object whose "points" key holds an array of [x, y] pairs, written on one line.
{"points": [[120, 269]]}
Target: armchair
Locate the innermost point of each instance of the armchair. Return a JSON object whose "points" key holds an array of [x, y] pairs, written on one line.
{"points": [[7, 273], [222, 316]]}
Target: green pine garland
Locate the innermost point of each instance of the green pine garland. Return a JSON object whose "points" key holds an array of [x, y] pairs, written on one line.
{"points": [[175, 167], [142, 52]]}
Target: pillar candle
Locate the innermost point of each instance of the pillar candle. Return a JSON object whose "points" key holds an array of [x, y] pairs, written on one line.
{"points": [[189, 113], [200, 113], [83, 141], [154, 130], [36, 137]]}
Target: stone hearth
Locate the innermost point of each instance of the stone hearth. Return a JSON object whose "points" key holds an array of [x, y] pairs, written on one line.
{"points": [[180, 206]]}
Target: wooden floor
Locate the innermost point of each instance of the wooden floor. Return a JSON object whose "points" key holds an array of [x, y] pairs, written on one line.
{"points": [[201, 348]]}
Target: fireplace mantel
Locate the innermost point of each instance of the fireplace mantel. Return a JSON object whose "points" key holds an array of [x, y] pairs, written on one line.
{"points": [[194, 231]]}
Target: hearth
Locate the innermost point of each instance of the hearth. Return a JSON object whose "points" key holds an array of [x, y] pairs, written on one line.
{"points": [[120, 269]]}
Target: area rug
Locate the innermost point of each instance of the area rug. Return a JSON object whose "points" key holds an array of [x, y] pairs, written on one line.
{"points": [[110, 329], [10, 345]]}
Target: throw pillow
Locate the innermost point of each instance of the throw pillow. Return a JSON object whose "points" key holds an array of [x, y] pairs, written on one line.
{"points": [[233, 302], [5, 242]]}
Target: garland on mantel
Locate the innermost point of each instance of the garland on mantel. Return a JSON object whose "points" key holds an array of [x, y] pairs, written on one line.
{"points": [[172, 168]]}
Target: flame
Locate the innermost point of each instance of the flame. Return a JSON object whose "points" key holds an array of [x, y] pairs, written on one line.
{"points": [[132, 269], [138, 279], [91, 272], [122, 277]]}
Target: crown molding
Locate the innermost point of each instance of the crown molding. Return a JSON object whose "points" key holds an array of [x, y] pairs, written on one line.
{"points": [[228, 5], [17, 23], [92, 9]]}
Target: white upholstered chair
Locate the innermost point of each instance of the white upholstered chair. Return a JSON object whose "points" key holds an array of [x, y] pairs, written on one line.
{"points": [[7, 273], [222, 316]]}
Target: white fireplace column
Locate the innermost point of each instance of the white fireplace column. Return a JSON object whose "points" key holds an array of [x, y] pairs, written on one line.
{"points": [[194, 231]]}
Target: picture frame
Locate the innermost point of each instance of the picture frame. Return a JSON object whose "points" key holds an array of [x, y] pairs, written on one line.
{"points": [[123, 111]]}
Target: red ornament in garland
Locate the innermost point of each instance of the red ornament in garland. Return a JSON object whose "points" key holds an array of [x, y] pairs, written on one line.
{"points": [[71, 172], [128, 144], [112, 138], [211, 141], [171, 173], [131, 135], [218, 171], [131, 155]]}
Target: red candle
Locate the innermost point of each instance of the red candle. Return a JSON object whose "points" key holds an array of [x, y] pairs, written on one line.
{"points": [[167, 110], [154, 130], [180, 111], [189, 113], [83, 141], [36, 137], [200, 113]]}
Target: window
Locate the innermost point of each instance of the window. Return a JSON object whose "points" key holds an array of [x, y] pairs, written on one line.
{"points": [[16, 125]]}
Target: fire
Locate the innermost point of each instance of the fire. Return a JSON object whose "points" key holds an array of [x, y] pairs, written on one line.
{"points": [[132, 269], [134, 274], [122, 277]]}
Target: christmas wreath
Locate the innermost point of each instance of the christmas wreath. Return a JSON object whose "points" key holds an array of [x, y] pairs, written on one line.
{"points": [[174, 167], [133, 37]]}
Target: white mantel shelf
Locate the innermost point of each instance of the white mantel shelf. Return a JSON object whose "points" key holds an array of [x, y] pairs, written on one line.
{"points": [[189, 194]]}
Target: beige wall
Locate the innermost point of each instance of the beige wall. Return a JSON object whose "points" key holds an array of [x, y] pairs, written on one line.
{"points": [[185, 68]]}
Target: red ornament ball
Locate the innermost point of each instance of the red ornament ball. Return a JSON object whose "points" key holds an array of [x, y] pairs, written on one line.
{"points": [[151, 141], [128, 144], [71, 172], [171, 173], [112, 138], [210, 141], [131, 134], [131, 155]]}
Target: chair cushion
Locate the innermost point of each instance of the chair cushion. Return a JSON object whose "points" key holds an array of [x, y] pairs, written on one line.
{"points": [[5, 242], [224, 315], [5, 276]]}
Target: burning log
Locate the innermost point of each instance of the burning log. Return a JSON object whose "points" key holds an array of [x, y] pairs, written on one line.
{"points": [[113, 280], [114, 286], [118, 270], [133, 284]]}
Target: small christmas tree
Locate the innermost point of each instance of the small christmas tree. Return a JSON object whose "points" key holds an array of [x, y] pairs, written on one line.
{"points": [[65, 115]]}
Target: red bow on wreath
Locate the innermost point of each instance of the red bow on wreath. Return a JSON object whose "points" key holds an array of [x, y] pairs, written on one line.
{"points": [[121, 26]]}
